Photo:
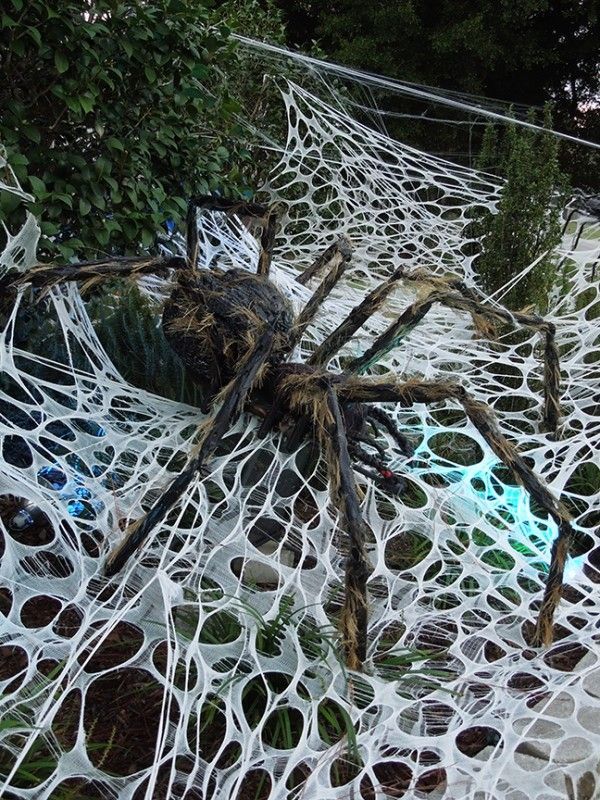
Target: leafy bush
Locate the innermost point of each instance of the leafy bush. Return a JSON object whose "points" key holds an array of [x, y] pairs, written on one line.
{"points": [[113, 113]]}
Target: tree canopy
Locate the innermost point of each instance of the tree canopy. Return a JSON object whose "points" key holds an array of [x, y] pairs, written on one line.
{"points": [[528, 52]]}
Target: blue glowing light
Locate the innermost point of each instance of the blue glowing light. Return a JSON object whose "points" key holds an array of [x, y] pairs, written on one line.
{"points": [[76, 508], [477, 487], [72, 492], [53, 476]]}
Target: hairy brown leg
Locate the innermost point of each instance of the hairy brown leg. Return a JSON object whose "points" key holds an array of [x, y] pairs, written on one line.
{"points": [[368, 391], [325, 260], [335, 260], [233, 398], [313, 396], [90, 273], [454, 294], [353, 622], [267, 242], [357, 317]]}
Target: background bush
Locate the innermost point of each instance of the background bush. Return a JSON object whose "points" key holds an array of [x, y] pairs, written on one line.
{"points": [[527, 221]]}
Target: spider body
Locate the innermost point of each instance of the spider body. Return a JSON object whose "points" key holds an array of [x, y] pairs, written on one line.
{"points": [[212, 319], [236, 333]]}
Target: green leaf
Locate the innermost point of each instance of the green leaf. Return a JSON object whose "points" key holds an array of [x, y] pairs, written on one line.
{"points": [[38, 187], [34, 34], [102, 236], [18, 158], [130, 229], [65, 250], [73, 104], [84, 207], [201, 71], [115, 144], [195, 92], [7, 22], [87, 103], [61, 62], [103, 165], [65, 199], [150, 74], [49, 228], [212, 43], [147, 237], [99, 201], [32, 133]]}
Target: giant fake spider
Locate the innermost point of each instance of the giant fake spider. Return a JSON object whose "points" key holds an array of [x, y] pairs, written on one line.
{"points": [[236, 333]]}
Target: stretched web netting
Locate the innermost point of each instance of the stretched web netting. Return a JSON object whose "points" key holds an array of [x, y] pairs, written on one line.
{"points": [[210, 667]]}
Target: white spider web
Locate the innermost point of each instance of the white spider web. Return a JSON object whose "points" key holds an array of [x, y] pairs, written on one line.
{"points": [[209, 669]]}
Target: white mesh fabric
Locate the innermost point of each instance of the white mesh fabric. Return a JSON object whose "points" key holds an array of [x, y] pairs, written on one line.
{"points": [[209, 667]]}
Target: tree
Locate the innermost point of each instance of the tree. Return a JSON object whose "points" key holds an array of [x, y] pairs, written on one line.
{"points": [[528, 52]]}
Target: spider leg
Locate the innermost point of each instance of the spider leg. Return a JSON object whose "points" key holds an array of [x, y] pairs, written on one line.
{"points": [[267, 242], [90, 273], [336, 259], [383, 477], [339, 255], [312, 395], [266, 217], [456, 295], [233, 397], [372, 442], [403, 442], [483, 418], [354, 613], [324, 260], [357, 317]]}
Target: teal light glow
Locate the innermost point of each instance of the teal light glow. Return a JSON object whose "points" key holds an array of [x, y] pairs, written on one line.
{"points": [[477, 489]]}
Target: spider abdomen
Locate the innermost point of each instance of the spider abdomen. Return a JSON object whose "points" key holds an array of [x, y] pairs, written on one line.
{"points": [[213, 318]]}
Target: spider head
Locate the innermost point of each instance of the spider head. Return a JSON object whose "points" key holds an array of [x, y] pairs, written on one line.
{"points": [[390, 482]]}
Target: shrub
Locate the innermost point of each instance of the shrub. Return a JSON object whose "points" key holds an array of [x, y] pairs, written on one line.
{"points": [[526, 224]]}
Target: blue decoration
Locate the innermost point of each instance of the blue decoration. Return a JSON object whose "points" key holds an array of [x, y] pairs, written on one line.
{"points": [[53, 476], [21, 520], [76, 508], [73, 491]]}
